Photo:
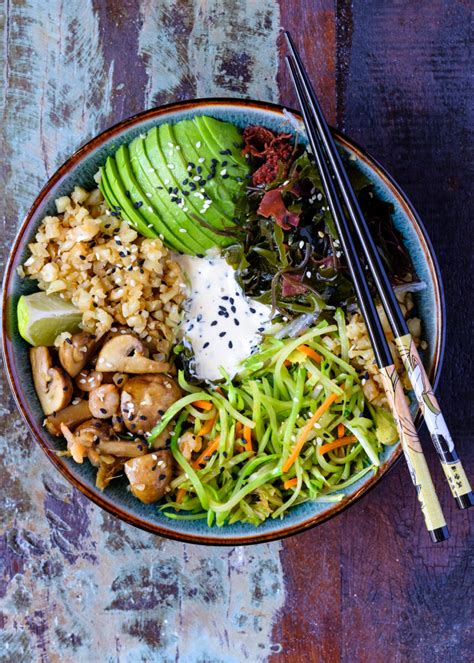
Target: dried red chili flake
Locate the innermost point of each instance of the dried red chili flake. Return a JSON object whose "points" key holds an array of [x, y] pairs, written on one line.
{"points": [[272, 204], [274, 150], [291, 285]]}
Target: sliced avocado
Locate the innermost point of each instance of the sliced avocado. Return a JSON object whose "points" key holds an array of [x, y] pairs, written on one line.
{"points": [[186, 136], [138, 196], [158, 159], [150, 182], [226, 188], [115, 184], [195, 200], [227, 138]]}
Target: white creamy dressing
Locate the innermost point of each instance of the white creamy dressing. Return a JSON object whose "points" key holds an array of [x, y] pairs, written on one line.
{"points": [[221, 323]]}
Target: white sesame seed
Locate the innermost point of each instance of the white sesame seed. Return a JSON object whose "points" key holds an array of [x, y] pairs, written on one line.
{"points": [[301, 245], [183, 230], [201, 159], [196, 178], [321, 234], [308, 274], [319, 196], [149, 208], [223, 171], [170, 144], [151, 170], [170, 166], [166, 182], [177, 147], [198, 144]]}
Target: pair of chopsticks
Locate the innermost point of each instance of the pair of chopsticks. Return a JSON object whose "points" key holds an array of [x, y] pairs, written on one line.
{"points": [[340, 194]]}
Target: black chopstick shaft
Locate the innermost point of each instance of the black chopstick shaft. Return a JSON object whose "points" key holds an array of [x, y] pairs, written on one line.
{"points": [[369, 312], [382, 282]]}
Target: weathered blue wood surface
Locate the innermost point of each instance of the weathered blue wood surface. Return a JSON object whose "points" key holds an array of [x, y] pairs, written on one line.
{"points": [[78, 585]]}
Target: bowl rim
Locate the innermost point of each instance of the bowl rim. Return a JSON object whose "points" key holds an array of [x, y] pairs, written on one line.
{"points": [[7, 347]]}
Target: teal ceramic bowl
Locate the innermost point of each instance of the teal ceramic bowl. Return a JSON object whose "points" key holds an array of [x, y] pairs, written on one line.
{"points": [[80, 169]]}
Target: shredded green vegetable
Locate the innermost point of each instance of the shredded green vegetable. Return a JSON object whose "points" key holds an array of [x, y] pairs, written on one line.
{"points": [[277, 391]]}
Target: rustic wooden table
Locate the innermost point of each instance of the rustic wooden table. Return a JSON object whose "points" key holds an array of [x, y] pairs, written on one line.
{"points": [[78, 585]]}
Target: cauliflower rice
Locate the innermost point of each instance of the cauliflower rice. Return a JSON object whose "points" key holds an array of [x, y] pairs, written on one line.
{"points": [[111, 274]]}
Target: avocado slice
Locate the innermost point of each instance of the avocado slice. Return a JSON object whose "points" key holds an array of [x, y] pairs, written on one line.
{"points": [[137, 194], [160, 163], [186, 136], [115, 184], [229, 187], [149, 181], [224, 136], [195, 200]]}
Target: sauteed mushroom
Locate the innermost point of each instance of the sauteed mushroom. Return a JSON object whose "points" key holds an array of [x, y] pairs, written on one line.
{"points": [[76, 351], [104, 401], [71, 416], [144, 400], [89, 380], [125, 353], [150, 475], [53, 386]]}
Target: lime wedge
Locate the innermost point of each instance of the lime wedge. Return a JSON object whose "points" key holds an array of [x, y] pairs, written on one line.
{"points": [[42, 317]]}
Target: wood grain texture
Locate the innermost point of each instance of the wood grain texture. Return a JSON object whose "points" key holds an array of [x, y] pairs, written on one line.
{"points": [[75, 583]]}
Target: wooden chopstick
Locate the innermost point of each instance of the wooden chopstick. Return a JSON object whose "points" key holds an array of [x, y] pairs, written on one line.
{"points": [[409, 440], [440, 435]]}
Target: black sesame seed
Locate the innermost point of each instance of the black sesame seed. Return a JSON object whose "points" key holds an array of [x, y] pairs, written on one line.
{"points": [[143, 417], [199, 317], [170, 189], [127, 193], [191, 164], [228, 151], [153, 469], [161, 412], [210, 176], [162, 477], [222, 334], [233, 309], [252, 310], [199, 170], [185, 193], [192, 186], [103, 410], [206, 345], [175, 190], [225, 297], [185, 181], [230, 345], [225, 454], [236, 322], [261, 329], [224, 163], [68, 340], [82, 257], [225, 176], [213, 323], [138, 204]]}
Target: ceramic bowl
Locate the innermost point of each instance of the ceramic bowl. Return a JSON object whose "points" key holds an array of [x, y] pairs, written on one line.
{"points": [[80, 169]]}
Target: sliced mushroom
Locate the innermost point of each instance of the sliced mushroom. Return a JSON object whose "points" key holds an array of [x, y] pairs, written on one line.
{"points": [[76, 351], [89, 380], [71, 416], [150, 475], [125, 353], [104, 401], [93, 431], [123, 449], [144, 400], [53, 386]]}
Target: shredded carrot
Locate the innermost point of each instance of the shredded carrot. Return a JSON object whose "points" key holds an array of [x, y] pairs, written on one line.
{"points": [[341, 430], [207, 453], [290, 482], [341, 442], [248, 438], [287, 362], [208, 426], [203, 405], [309, 352], [180, 495], [307, 430]]}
